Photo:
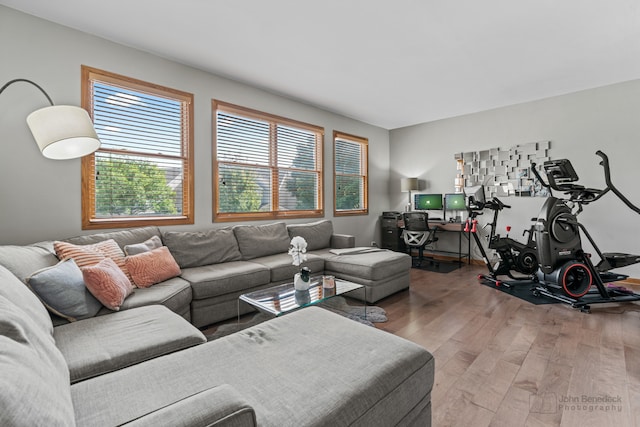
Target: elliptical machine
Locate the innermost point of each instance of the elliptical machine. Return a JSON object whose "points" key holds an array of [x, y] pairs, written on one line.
{"points": [[566, 273], [513, 255]]}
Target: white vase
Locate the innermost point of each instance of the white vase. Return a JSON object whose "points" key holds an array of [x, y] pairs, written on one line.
{"points": [[299, 284]]}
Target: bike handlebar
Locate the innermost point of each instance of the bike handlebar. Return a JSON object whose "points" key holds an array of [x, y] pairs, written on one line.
{"points": [[496, 204]]}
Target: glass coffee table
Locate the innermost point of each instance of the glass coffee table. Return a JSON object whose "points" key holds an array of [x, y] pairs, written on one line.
{"points": [[281, 299]]}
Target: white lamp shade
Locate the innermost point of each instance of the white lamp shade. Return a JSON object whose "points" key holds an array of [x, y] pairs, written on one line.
{"points": [[409, 184], [63, 132]]}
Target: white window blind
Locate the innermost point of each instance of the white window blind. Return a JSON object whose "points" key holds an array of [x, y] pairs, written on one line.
{"points": [[350, 171], [142, 169], [265, 166]]}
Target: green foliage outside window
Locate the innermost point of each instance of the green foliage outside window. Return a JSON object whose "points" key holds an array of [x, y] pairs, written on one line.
{"points": [[303, 184], [348, 191], [239, 191], [130, 187]]}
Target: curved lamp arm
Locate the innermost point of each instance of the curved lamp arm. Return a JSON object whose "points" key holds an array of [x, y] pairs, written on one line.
{"points": [[9, 83], [61, 131]]}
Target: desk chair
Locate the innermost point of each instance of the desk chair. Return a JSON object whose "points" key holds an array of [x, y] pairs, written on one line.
{"points": [[417, 235]]}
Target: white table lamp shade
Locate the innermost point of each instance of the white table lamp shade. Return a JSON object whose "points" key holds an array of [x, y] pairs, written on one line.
{"points": [[63, 132], [409, 184]]}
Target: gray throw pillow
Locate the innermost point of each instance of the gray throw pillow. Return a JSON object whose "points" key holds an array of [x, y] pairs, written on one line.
{"points": [[317, 234], [262, 240], [62, 290], [153, 243], [195, 249]]}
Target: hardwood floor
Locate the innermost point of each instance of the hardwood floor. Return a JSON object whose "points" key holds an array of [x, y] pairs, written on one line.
{"points": [[501, 361]]}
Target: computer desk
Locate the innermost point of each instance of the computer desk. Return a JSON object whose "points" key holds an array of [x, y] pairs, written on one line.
{"points": [[453, 227]]}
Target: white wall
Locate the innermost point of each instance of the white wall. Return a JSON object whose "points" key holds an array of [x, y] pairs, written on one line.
{"points": [[40, 198], [578, 124]]}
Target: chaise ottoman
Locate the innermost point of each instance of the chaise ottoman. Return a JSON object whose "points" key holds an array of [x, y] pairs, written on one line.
{"points": [[381, 271]]}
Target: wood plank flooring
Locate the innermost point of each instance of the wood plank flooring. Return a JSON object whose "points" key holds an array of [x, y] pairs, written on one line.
{"points": [[501, 361]]}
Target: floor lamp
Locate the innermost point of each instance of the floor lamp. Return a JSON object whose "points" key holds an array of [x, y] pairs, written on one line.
{"points": [[61, 131], [408, 184]]}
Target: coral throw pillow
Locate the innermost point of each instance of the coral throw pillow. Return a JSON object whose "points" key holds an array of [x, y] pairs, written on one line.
{"points": [[86, 255], [149, 268], [107, 283]]}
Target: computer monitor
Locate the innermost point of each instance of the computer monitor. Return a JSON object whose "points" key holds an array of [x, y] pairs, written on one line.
{"points": [[454, 202], [428, 202], [476, 198]]}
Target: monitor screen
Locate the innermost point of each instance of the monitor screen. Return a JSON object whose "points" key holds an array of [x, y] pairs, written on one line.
{"points": [[476, 196], [427, 202], [454, 202]]}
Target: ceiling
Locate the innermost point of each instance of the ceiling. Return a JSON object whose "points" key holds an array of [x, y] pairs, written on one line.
{"points": [[390, 63]]}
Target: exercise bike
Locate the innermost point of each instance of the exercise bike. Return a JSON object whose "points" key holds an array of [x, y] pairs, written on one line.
{"points": [[566, 273], [513, 256]]}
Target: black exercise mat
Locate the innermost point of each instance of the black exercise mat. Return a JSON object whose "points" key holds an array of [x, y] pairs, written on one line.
{"points": [[522, 291], [441, 267]]}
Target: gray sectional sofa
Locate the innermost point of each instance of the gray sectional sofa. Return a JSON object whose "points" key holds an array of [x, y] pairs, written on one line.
{"points": [[147, 364], [218, 265]]}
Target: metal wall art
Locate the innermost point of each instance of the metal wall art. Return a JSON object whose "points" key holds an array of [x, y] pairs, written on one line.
{"points": [[504, 172]]}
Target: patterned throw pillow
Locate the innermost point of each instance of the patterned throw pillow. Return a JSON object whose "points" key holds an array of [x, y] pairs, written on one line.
{"points": [[155, 266], [87, 255], [106, 281]]}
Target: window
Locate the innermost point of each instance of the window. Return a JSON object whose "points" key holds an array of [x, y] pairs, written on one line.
{"points": [[351, 186], [265, 166], [143, 172]]}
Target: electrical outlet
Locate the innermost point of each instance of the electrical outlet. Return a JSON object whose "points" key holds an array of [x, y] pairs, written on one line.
{"points": [[374, 244]]}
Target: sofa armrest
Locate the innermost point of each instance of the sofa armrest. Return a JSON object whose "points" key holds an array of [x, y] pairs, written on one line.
{"points": [[341, 241], [220, 406]]}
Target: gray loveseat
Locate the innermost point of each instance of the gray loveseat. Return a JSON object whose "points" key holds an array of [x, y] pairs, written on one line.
{"points": [[147, 365]]}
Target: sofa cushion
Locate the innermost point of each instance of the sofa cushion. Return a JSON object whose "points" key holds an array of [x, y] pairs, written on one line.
{"points": [[175, 294], [107, 283], [216, 406], [308, 350], [19, 294], [197, 248], [34, 380], [24, 260], [262, 240], [317, 234], [99, 345], [221, 279], [376, 265], [282, 270], [62, 290], [153, 242], [122, 237], [154, 266]]}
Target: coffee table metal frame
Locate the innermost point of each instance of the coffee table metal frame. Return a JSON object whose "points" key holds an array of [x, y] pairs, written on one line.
{"points": [[281, 299]]}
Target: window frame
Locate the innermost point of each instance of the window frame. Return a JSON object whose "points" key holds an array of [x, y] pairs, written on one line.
{"points": [[364, 159], [88, 190], [274, 120]]}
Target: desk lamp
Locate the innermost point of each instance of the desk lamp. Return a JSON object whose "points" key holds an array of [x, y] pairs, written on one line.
{"points": [[409, 184], [61, 131]]}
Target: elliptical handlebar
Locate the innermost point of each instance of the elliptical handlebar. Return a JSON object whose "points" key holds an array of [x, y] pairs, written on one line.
{"points": [[607, 179], [539, 178]]}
